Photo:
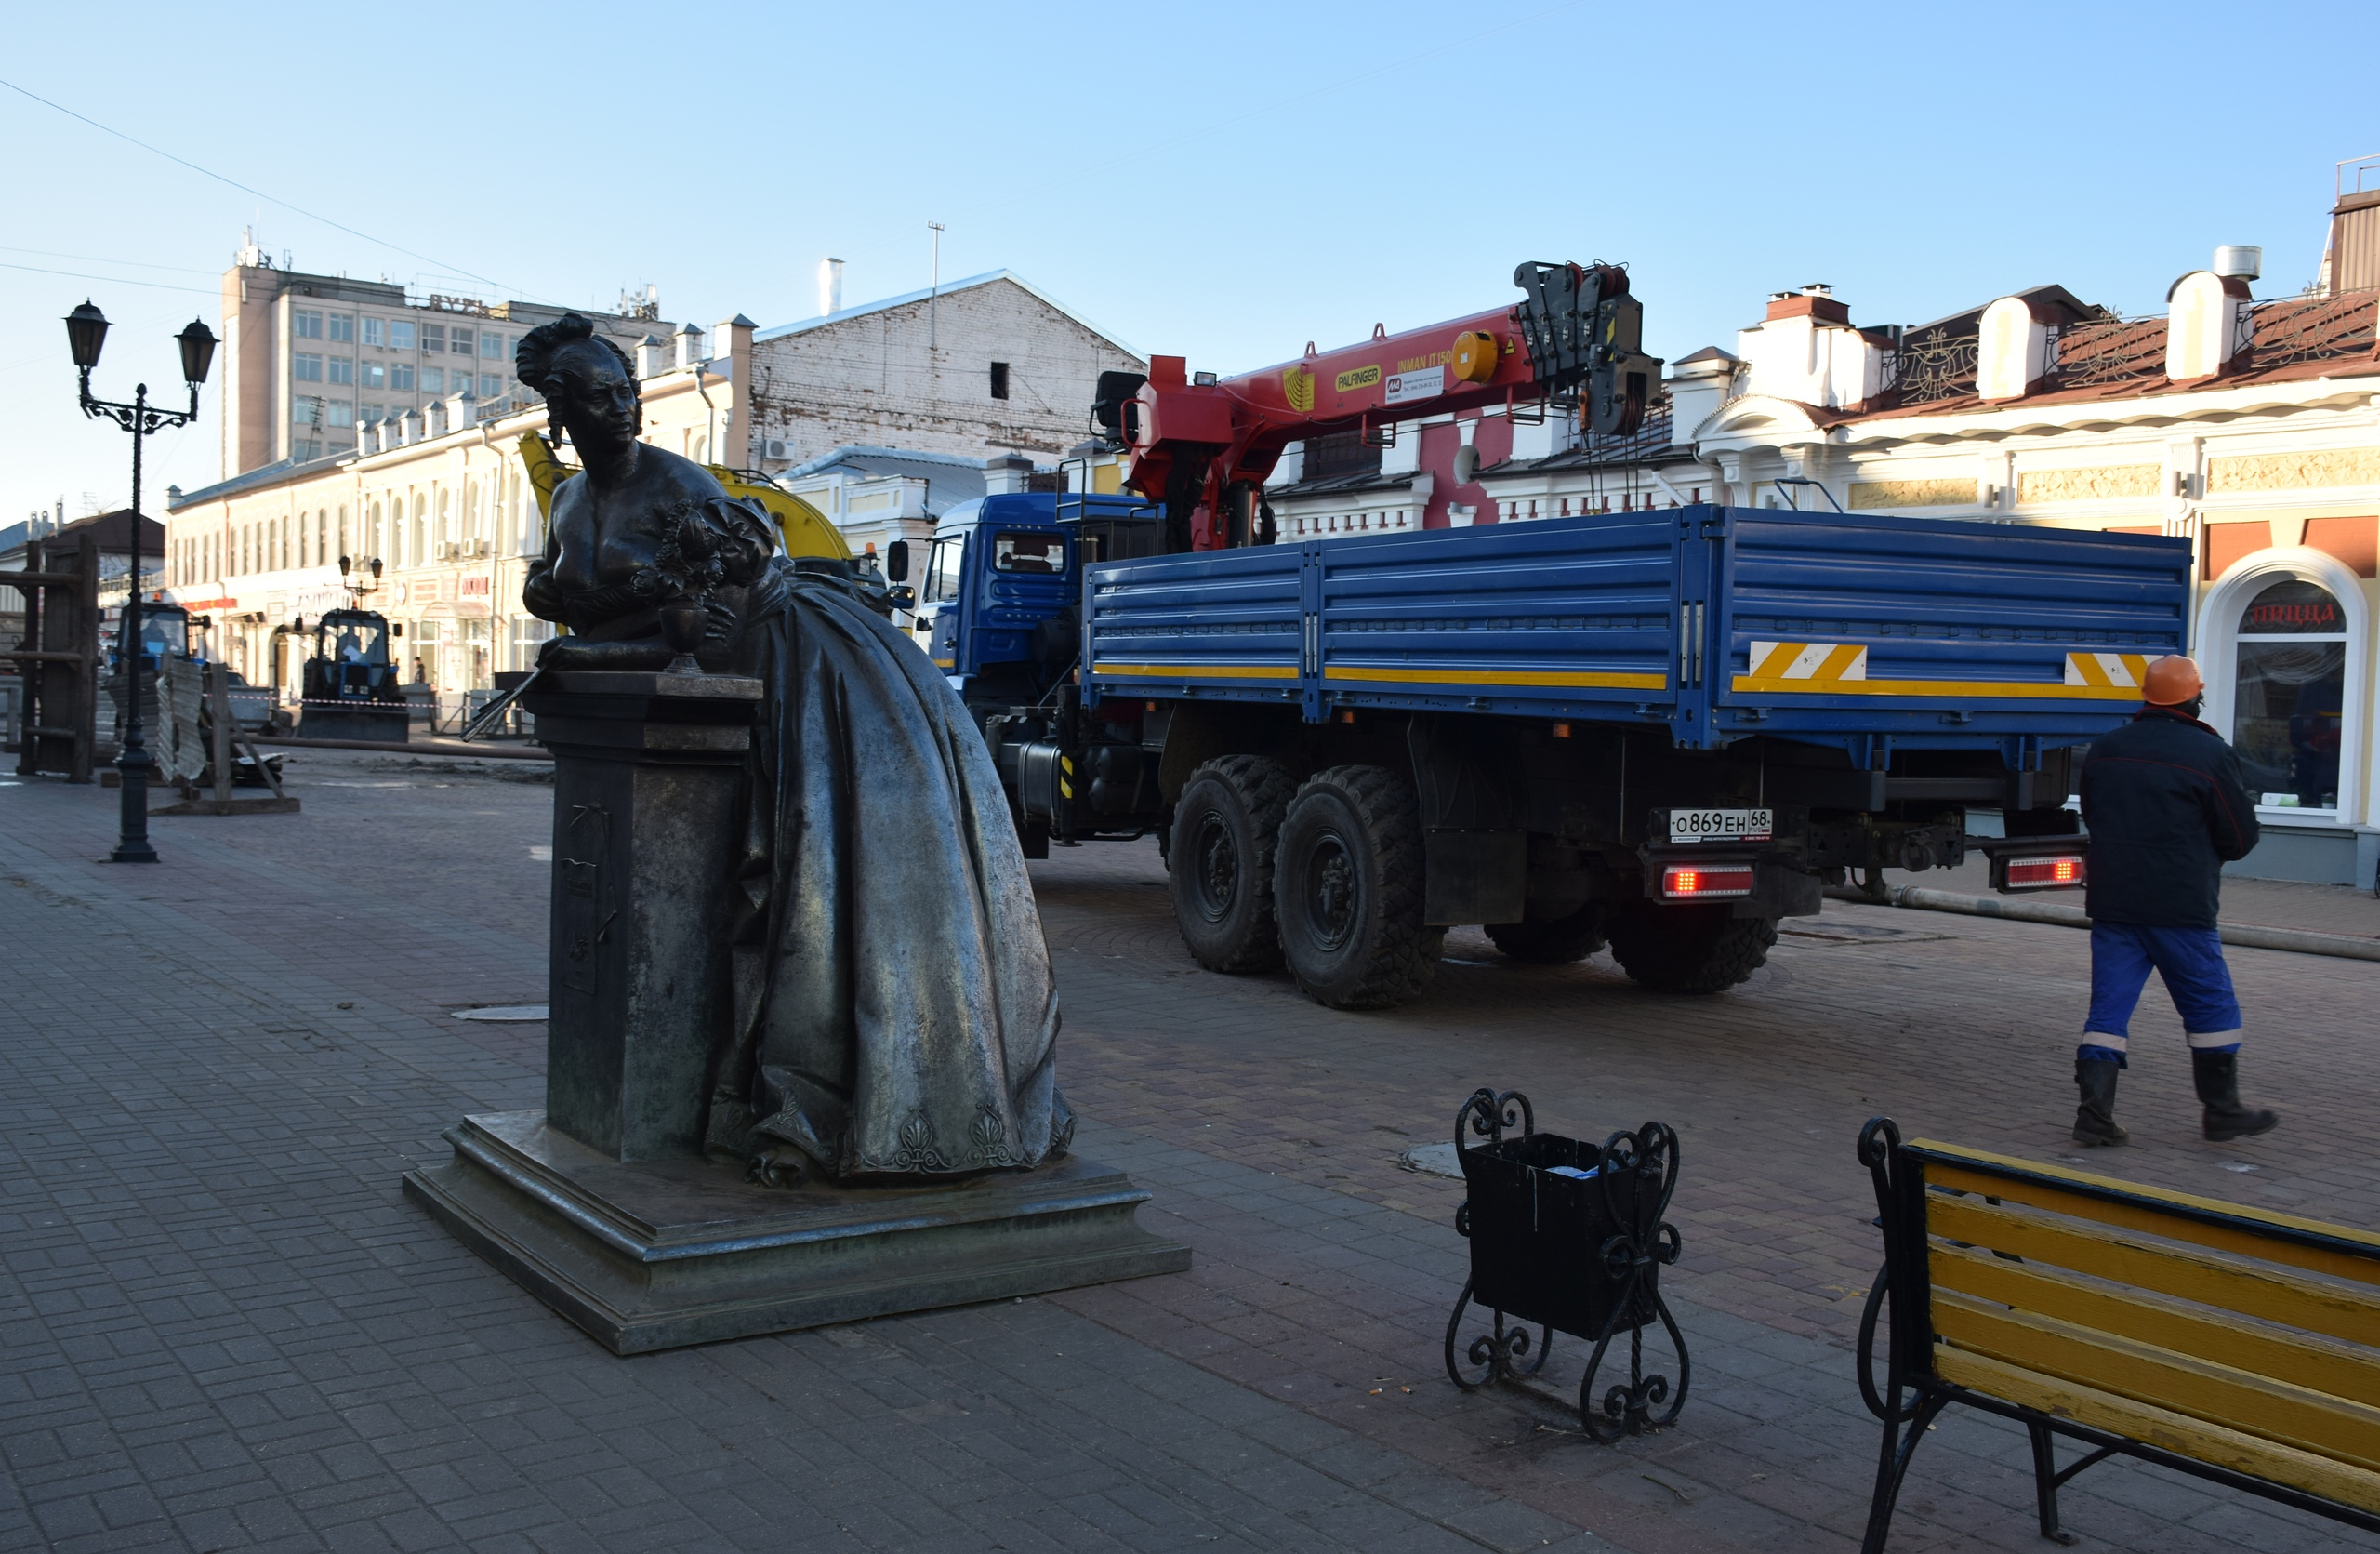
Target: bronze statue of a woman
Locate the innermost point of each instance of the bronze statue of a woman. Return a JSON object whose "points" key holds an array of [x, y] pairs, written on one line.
{"points": [[894, 1014]]}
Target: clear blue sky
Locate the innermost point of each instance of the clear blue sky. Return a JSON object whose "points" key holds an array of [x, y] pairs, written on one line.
{"points": [[1223, 181]]}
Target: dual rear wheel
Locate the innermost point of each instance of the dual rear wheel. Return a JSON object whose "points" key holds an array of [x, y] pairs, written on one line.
{"points": [[1327, 877]]}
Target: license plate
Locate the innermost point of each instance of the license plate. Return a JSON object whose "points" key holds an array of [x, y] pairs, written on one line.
{"points": [[1721, 825]]}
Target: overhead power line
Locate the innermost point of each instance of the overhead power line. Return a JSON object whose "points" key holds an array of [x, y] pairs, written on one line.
{"points": [[250, 189], [112, 280]]}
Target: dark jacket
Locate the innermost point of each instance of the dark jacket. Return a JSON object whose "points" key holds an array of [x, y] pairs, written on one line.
{"points": [[2166, 809]]}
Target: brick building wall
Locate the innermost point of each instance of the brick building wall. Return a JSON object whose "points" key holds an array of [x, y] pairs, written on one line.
{"points": [[920, 372]]}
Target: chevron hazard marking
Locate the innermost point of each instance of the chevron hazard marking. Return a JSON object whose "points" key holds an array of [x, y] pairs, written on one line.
{"points": [[1808, 660], [2122, 671]]}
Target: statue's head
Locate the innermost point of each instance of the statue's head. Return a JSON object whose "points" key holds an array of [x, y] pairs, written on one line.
{"points": [[588, 382]]}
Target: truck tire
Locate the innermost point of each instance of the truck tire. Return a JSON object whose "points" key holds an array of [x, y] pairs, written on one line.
{"points": [[1347, 889], [1218, 862], [1552, 941], [1689, 949]]}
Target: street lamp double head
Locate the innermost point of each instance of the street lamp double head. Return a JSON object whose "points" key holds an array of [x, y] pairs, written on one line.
{"points": [[347, 565], [86, 333]]}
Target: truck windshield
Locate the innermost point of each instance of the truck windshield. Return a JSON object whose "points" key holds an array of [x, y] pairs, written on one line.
{"points": [[1015, 551]]}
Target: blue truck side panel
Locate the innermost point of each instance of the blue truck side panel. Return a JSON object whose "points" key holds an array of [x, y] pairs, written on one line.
{"points": [[1719, 623]]}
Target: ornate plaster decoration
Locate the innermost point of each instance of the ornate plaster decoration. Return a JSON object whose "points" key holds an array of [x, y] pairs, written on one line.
{"points": [[2293, 471], [2093, 483], [1912, 493]]}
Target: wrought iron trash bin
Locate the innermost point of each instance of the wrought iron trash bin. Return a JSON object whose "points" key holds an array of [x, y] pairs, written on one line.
{"points": [[1567, 1236]]}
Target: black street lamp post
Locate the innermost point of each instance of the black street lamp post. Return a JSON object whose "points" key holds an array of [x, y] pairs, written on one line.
{"points": [[86, 330]]}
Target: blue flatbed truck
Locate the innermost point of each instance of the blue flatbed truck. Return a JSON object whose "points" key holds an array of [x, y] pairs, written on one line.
{"points": [[1664, 731]]}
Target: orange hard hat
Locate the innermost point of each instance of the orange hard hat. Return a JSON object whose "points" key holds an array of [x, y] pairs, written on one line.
{"points": [[2169, 682]]}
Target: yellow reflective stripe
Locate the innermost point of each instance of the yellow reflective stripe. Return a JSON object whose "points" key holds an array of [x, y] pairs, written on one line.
{"points": [[1575, 678], [1198, 672], [1755, 685], [1779, 659]]}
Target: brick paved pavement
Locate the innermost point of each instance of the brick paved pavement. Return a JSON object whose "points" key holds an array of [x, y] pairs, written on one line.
{"points": [[221, 1328]]}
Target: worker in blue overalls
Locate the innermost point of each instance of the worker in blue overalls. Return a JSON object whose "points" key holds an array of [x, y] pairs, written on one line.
{"points": [[2166, 809]]}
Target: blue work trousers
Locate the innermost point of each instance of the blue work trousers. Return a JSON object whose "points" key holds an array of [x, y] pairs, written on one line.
{"points": [[2191, 960]]}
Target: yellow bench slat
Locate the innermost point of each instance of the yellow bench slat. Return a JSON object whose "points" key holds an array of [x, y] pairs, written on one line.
{"points": [[2273, 1293], [2241, 1230], [2294, 1415], [2341, 1370], [2196, 1439]]}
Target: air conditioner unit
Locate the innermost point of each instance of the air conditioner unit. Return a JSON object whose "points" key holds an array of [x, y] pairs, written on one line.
{"points": [[776, 448]]}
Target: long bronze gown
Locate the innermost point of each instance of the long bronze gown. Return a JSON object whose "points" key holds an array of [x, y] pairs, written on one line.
{"points": [[895, 1012]]}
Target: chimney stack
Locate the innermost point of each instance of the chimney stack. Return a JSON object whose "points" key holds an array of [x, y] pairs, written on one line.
{"points": [[830, 287]]}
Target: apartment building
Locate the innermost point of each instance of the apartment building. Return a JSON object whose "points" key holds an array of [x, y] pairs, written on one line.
{"points": [[307, 357]]}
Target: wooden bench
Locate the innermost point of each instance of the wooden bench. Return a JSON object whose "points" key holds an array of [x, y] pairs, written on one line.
{"points": [[2232, 1344]]}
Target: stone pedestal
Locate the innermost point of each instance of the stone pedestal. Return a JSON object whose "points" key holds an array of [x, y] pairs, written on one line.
{"points": [[646, 773], [603, 1206], [656, 1254]]}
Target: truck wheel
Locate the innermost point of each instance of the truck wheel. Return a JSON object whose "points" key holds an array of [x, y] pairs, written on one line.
{"points": [[1552, 941], [1348, 890], [1219, 861], [1689, 949]]}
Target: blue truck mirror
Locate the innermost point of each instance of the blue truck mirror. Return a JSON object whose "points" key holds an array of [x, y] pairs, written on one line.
{"points": [[896, 561]]}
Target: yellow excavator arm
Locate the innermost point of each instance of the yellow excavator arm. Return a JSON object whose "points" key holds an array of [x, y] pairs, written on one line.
{"points": [[805, 530]]}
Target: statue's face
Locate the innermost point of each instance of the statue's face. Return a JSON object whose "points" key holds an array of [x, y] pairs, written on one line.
{"points": [[600, 400]]}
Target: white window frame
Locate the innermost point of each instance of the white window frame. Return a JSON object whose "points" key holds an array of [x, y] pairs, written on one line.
{"points": [[2219, 640]]}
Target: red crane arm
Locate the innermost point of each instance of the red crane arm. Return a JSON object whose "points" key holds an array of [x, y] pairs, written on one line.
{"points": [[1203, 448]]}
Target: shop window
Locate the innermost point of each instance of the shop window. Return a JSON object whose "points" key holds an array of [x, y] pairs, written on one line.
{"points": [[2289, 695]]}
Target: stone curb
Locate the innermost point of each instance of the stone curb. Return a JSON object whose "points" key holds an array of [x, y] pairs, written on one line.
{"points": [[2300, 940]]}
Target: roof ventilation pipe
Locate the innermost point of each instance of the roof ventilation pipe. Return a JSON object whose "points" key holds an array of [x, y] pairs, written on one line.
{"points": [[2239, 260]]}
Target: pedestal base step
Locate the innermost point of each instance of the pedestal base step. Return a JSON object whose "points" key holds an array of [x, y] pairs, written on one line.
{"points": [[662, 1253]]}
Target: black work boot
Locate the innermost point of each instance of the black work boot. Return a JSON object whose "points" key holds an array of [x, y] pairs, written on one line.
{"points": [[2218, 1074], [2094, 1119]]}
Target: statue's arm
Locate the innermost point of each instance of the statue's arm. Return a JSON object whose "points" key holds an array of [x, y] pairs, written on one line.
{"points": [[747, 539]]}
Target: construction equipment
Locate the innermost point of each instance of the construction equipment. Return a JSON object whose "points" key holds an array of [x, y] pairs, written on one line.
{"points": [[349, 688], [805, 530], [1204, 447], [1572, 731]]}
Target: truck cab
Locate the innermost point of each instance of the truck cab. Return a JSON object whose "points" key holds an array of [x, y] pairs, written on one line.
{"points": [[999, 595]]}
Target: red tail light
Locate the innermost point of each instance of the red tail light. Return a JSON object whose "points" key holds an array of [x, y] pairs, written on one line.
{"points": [[1706, 882], [2059, 872]]}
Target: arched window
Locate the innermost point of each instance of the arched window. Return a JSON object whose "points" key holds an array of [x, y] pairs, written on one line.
{"points": [[2289, 693], [2284, 637]]}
